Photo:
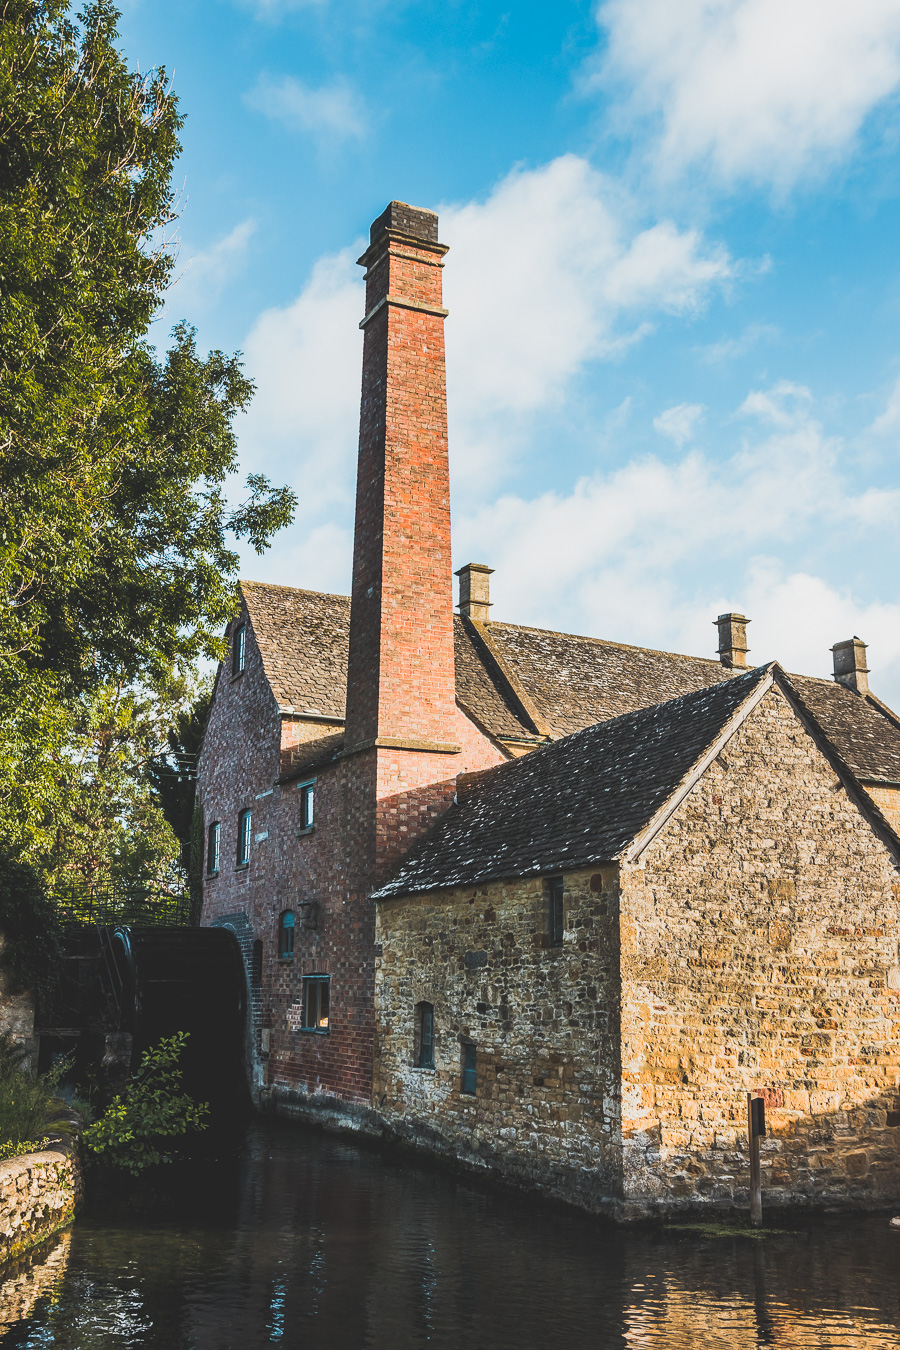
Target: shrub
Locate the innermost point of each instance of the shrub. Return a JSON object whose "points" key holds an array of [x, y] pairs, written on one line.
{"points": [[29, 1106], [152, 1108], [29, 927]]}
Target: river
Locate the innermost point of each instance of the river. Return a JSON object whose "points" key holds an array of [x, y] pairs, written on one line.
{"points": [[299, 1239]]}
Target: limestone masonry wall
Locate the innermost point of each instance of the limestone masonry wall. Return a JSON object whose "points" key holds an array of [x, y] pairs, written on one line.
{"points": [[759, 952], [544, 1020], [39, 1193]]}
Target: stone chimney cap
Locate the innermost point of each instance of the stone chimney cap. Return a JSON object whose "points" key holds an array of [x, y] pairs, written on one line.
{"points": [[475, 591], [850, 664], [733, 647], [405, 219]]}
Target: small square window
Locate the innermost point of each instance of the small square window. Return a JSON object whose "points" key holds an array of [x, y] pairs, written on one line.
{"points": [[469, 1068], [286, 925], [307, 805], [243, 845], [556, 916], [239, 649], [316, 1000], [214, 836]]}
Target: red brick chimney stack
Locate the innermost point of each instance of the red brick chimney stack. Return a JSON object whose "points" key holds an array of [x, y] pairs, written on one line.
{"points": [[400, 683]]}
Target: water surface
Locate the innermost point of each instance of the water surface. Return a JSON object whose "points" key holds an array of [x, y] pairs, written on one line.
{"points": [[300, 1240]]}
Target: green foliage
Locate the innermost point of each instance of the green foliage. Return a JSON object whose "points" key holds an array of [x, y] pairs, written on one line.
{"points": [[173, 774], [29, 931], [11, 1150], [29, 1107], [115, 565], [152, 1108]]}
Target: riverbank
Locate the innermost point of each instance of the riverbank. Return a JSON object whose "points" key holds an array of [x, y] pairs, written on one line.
{"points": [[39, 1195]]}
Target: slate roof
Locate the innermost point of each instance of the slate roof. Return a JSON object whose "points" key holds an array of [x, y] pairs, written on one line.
{"points": [[574, 802], [574, 682]]}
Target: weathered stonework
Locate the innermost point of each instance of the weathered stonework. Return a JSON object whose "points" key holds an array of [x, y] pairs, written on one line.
{"points": [[39, 1194], [753, 947]]}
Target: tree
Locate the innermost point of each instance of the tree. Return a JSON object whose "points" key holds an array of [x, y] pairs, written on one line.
{"points": [[115, 563]]}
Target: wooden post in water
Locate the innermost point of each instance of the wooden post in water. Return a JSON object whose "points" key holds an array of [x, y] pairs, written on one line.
{"points": [[756, 1130]]}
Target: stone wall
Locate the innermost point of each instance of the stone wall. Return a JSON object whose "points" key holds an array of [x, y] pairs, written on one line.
{"points": [[760, 953], [39, 1194], [543, 1019], [754, 947]]}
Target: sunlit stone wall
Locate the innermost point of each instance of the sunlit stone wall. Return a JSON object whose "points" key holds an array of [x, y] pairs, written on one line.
{"points": [[39, 1193]]}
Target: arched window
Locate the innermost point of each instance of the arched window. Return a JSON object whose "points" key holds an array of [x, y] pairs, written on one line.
{"points": [[286, 934], [243, 840], [425, 1035]]}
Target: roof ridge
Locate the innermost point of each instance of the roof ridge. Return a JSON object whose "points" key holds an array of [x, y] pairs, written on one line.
{"points": [[295, 590]]}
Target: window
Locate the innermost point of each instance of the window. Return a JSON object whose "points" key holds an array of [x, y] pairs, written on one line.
{"points": [[239, 649], [307, 805], [315, 1002], [214, 835], [469, 1068], [243, 847], [555, 889], [286, 934], [424, 1035]]}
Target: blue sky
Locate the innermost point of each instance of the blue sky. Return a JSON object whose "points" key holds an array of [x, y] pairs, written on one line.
{"points": [[674, 284]]}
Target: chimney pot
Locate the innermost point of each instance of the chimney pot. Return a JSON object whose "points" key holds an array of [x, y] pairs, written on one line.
{"points": [[850, 664], [475, 591], [400, 218], [733, 647]]}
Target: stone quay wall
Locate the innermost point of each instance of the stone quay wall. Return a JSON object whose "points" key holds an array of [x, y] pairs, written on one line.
{"points": [[759, 953], [39, 1194], [543, 1019]]}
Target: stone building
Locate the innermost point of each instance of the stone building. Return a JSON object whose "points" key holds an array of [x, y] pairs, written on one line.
{"points": [[616, 888]]}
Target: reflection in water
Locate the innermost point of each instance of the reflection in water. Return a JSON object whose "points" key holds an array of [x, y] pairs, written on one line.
{"points": [[302, 1240]]}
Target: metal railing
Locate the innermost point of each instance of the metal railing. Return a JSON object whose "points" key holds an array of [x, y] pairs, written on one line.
{"points": [[111, 904]]}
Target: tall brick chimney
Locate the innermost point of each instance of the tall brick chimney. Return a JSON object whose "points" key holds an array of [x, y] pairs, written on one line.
{"points": [[400, 681], [850, 664]]}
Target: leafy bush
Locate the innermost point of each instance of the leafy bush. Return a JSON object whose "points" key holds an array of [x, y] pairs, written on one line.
{"points": [[29, 1107], [152, 1108]]}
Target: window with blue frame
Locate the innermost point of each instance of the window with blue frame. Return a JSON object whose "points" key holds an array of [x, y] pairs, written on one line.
{"points": [[243, 842], [286, 926], [307, 805], [214, 836], [469, 1068]]}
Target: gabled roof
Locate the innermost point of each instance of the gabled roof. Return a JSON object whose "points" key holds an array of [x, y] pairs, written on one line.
{"points": [[522, 684], [574, 802], [600, 794]]}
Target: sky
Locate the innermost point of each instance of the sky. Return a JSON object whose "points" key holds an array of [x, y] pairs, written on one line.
{"points": [[673, 350]]}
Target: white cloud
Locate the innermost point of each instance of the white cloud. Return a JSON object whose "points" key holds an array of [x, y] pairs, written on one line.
{"points": [[729, 349], [302, 425], [679, 422], [888, 422], [641, 554], [333, 112], [202, 278], [547, 274], [757, 89]]}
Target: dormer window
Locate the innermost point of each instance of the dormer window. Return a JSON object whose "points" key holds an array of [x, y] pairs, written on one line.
{"points": [[239, 649]]}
